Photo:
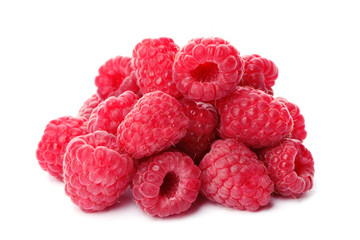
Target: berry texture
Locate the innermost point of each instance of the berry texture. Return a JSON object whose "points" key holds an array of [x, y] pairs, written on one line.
{"points": [[52, 145], [129, 84], [207, 69], [166, 184], [201, 131], [153, 62], [233, 176], [95, 174], [298, 131], [259, 73], [112, 74], [253, 117], [110, 113], [89, 105], [290, 166], [156, 123]]}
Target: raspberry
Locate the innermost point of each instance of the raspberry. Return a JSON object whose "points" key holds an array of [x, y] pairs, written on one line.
{"points": [[153, 62], [129, 84], [94, 173], [259, 73], [110, 113], [112, 74], [299, 131], [166, 184], [233, 176], [52, 145], [253, 117], [89, 105], [200, 133], [156, 123], [291, 167], [207, 69]]}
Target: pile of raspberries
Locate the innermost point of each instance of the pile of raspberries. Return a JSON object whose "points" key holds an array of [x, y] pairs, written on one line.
{"points": [[172, 123]]}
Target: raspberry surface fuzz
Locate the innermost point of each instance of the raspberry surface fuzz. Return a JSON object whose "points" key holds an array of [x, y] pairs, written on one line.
{"points": [[166, 184], [253, 117], [95, 174], [156, 123], [52, 145], [207, 69], [233, 176]]}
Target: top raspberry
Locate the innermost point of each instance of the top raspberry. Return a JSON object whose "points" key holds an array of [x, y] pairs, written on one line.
{"points": [[153, 62], [112, 74], [207, 69], [259, 73]]}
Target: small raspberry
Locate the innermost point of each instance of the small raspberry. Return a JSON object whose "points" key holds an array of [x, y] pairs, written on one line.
{"points": [[207, 69], [233, 176], [290, 166], [253, 117], [259, 73], [89, 105], [95, 174], [299, 131], [200, 133], [156, 123], [112, 74], [153, 62], [111, 112], [52, 145], [166, 184]]}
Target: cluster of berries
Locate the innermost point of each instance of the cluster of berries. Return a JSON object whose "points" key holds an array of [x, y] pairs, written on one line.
{"points": [[171, 123]]}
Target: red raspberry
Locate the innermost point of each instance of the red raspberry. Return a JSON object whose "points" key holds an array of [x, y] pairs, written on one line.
{"points": [[207, 69], [156, 123], [200, 133], [166, 184], [233, 176], [52, 145], [95, 173], [110, 113], [253, 117], [291, 167], [299, 131], [89, 105], [112, 74], [259, 73], [153, 62], [129, 84]]}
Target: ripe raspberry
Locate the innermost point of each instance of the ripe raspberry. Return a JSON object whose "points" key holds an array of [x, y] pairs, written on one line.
{"points": [[291, 167], [253, 117], [259, 73], [89, 105], [207, 69], [233, 176], [112, 74], [298, 131], [52, 145], [95, 174], [156, 123], [153, 62], [129, 84], [200, 133], [166, 184], [110, 113]]}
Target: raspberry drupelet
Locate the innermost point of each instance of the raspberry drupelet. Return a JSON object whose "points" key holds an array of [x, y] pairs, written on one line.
{"points": [[89, 105], [207, 69], [166, 184], [95, 174]]}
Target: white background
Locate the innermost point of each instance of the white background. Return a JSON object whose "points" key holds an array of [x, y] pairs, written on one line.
{"points": [[50, 53]]}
